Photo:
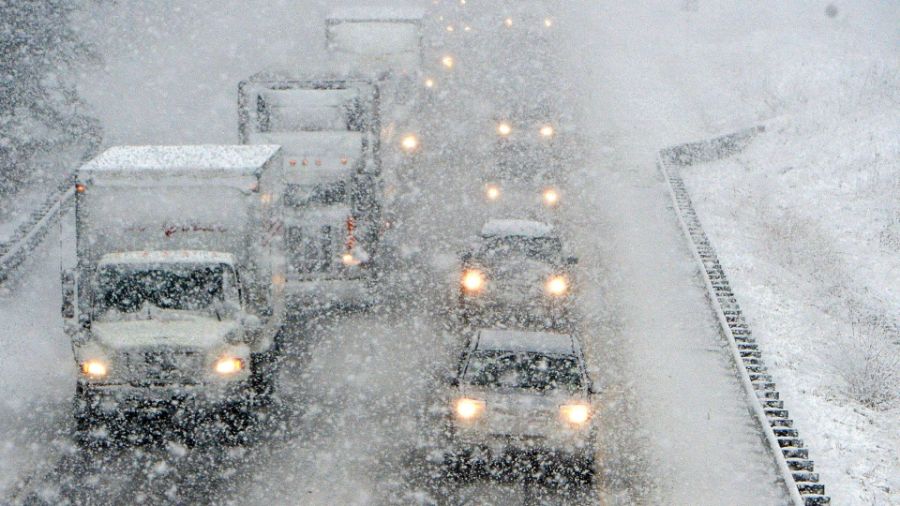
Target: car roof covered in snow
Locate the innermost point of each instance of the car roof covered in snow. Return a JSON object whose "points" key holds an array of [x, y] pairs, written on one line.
{"points": [[164, 257], [524, 341], [218, 158], [376, 13], [519, 228]]}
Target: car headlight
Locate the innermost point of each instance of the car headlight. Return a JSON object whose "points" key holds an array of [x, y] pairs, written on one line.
{"points": [[557, 285], [409, 143], [575, 414], [468, 409], [550, 197], [94, 368], [492, 192], [547, 131], [429, 83], [448, 62], [504, 128], [473, 280], [226, 366]]}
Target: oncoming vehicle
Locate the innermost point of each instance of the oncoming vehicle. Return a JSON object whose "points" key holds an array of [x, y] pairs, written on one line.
{"points": [[177, 296], [522, 394], [516, 272]]}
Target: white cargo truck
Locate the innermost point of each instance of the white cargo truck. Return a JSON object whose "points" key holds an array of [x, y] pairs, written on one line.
{"points": [[177, 295], [387, 38], [327, 127]]}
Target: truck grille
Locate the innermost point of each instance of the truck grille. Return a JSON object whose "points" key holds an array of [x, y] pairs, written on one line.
{"points": [[163, 365]]}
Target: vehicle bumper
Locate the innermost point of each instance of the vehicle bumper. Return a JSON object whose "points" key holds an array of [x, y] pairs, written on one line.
{"points": [[503, 448], [188, 402]]}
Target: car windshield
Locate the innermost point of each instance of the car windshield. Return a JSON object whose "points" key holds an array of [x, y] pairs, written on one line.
{"points": [[546, 249], [526, 370], [128, 290]]}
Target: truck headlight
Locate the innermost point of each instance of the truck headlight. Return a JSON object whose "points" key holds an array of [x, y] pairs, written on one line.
{"points": [[504, 128], [547, 131], [575, 414], [227, 366], [557, 285], [468, 409], [492, 192], [550, 197], [473, 280], [448, 62], [94, 368]]}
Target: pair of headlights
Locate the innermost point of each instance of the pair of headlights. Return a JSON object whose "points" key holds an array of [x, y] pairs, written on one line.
{"points": [[504, 129], [225, 366], [468, 409], [550, 196], [474, 281]]}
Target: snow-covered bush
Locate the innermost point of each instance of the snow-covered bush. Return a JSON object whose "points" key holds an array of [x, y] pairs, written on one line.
{"points": [[868, 360], [39, 109]]}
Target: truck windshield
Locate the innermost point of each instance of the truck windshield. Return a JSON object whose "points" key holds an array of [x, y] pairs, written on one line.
{"points": [[527, 370], [125, 291]]}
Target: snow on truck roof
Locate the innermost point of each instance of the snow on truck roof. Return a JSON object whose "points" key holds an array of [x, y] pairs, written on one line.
{"points": [[521, 228], [525, 341], [162, 257], [379, 13], [177, 158]]}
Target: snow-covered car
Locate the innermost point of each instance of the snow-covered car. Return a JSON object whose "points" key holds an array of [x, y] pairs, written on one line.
{"points": [[516, 272], [522, 394]]}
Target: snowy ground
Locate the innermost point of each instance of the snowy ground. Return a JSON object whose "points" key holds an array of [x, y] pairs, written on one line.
{"points": [[643, 76], [805, 222]]}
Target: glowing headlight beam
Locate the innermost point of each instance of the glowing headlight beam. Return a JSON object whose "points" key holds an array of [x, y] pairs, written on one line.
{"points": [[228, 365], [492, 192], [409, 143], [575, 414], [547, 131], [94, 368], [557, 285], [550, 197], [468, 409], [473, 280], [504, 128]]}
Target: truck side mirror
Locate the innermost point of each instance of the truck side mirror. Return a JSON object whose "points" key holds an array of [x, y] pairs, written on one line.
{"points": [[68, 294]]}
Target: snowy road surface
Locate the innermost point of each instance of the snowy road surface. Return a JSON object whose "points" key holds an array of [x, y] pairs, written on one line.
{"points": [[676, 426]]}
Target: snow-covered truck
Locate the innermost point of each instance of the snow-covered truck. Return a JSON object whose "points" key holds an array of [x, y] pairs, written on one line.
{"points": [[327, 126], [387, 42], [177, 294], [382, 37]]}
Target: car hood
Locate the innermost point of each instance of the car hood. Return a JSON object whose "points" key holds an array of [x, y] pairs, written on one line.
{"points": [[195, 332]]}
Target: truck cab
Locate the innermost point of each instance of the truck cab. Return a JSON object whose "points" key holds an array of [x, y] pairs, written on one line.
{"points": [[177, 294]]}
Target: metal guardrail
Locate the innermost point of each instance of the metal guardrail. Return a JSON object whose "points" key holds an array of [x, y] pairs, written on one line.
{"points": [[30, 233], [788, 450]]}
